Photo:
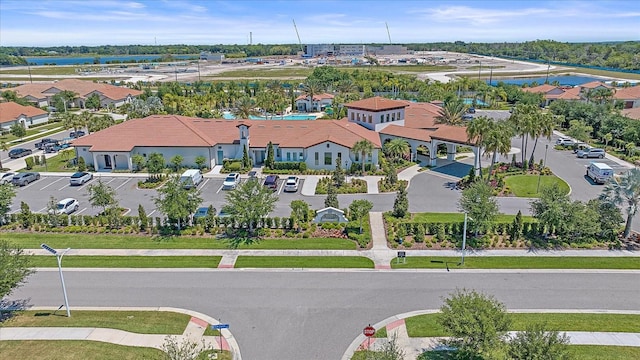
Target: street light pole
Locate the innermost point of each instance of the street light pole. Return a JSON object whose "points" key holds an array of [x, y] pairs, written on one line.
{"points": [[59, 258], [464, 238]]}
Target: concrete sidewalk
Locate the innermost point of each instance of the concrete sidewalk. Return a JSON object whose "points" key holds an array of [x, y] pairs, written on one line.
{"points": [[194, 332], [414, 346]]}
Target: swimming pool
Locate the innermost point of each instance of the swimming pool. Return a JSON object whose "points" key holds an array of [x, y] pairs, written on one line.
{"points": [[229, 116], [470, 102]]}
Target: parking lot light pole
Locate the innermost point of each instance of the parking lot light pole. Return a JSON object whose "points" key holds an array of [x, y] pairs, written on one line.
{"points": [[59, 256]]}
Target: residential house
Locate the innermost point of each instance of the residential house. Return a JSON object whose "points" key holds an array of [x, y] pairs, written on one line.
{"points": [[110, 95], [632, 113], [629, 96], [318, 103], [11, 113]]}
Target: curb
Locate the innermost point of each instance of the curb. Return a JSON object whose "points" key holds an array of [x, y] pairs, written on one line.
{"points": [[360, 339], [226, 334]]}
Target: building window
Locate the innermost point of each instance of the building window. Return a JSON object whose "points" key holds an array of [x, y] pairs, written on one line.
{"points": [[339, 158], [370, 118], [301, 156], [398, 117], [357, 156], [278, 153], [327, 158], [381, 118], [295, 156], [352, 116], [387, 117], [288, 156], [328, 145], [317, 158]]}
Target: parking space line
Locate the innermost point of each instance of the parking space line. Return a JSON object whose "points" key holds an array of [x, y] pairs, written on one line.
{"points": [[68, 185], [81, 187], [46, 186], [151, 213], [281, 187], [123, 184], [205, 183], [79, 212], [110, 181], [126, 212], [220, 188], [41, 210]]}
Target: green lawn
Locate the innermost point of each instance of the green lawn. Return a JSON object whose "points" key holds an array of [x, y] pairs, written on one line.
{"points": [[459, 217], [45, 70], [142, 322], [593, 352], [74, 350], [56, 163], [128, 261], [426, 325], [95, 241], [42, 130], [520, 262], [303, 262], [210, 332], [527, 185]]}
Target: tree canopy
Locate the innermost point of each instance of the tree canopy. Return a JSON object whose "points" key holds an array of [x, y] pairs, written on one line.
{"points": [[14, 267]]}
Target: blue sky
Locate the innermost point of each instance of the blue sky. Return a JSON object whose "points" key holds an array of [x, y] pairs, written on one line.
{"points": [[117, 22]]}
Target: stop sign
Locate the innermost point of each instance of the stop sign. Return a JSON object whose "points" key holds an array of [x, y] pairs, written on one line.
{"points": [[369, 331]]}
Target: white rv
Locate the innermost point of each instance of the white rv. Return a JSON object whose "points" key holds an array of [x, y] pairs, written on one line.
{"points": [[600, 173]]}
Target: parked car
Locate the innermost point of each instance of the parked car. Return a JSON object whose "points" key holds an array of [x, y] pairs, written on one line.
{"points": [[202, 212], [591, 153], [467, 117], [253, 174], [191, 178], [471, 110], [5, 178], [80, 178], [77, 134], [291, 185], [19, 152], [231, 181], [565, 141], [579, 146], [600, 173], [22, 179], [272, 182], [40, 144], [65, 206]]}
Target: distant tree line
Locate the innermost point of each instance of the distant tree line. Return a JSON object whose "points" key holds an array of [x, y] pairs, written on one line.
{"points": [[616, 55]]}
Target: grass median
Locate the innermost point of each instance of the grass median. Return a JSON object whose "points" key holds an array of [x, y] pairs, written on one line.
{"points": [[141, 322], [74, 350], [427, 326], [95, 241], [141, 262], [304, 262], [519, 262]]}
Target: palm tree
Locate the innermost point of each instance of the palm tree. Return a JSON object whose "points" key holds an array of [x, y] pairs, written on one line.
{"points": [[310, 89], [477, 131], [451, 113], [523, 119], [67, 97], [624, 191], [396, 148], [73, 121], [245, 107], [498, 141], [543, 127], [3, 147], [364, 147]]}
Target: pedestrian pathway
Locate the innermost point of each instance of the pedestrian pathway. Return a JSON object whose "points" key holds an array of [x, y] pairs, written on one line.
{"points": [[194, 332], [396, 329]]}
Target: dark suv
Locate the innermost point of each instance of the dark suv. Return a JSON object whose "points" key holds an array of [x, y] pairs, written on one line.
{"points": [[272, 182]]}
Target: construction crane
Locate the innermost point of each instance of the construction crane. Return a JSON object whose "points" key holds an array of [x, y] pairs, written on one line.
{"points": [[299, 41], [388, 33]]}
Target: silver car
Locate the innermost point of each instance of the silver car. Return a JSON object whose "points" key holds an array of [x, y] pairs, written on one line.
{"points": [[22, 179], [591, 153], [5, 178]]}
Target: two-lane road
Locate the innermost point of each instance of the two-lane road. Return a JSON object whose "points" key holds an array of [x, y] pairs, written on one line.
{"points": [[315, 315]]}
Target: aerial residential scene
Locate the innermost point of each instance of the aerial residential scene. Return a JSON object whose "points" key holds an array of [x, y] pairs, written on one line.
{"points": [[297, 180]]}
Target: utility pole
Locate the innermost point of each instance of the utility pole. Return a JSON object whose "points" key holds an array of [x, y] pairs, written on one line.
{"points": [[388, 33]]}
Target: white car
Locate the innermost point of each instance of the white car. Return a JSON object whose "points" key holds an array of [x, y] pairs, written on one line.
{"points": [[565, 141], [80, 178], [5, 178], [231, 181], [66, 206], [291, 185]]}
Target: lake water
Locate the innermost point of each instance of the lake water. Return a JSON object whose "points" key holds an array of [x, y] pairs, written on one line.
{"points": [[65, 60], [563, 80]]}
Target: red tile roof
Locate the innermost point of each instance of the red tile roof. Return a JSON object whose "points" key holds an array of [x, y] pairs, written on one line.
{"points": [[595, 84], [544, 88], [376, 103], [633, 113], [316, 97], [10, 111], [570, 94], [181, 131], [629, 93], [81, 87]]}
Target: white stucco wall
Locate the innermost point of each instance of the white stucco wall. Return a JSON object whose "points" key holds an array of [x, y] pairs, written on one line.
{"points": [[189, 154], [370, 119]]}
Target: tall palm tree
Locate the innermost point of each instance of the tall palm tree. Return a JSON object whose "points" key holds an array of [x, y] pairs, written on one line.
{"points": [[67, 97], [310, 89], [396, 148], [477, 131], [624, 191], [543, 127], [73, 121], [451, 113], [364, 147], [522, 120], [244, 108], [498, 141]]}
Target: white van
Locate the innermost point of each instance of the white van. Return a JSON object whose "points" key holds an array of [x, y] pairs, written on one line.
{"points": [[600, 173], [191, 178]]}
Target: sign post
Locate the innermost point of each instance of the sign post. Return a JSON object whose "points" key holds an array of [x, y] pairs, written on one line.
{"points": [[219, 327], [402, 255], [59, 257], [369, 331]]}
